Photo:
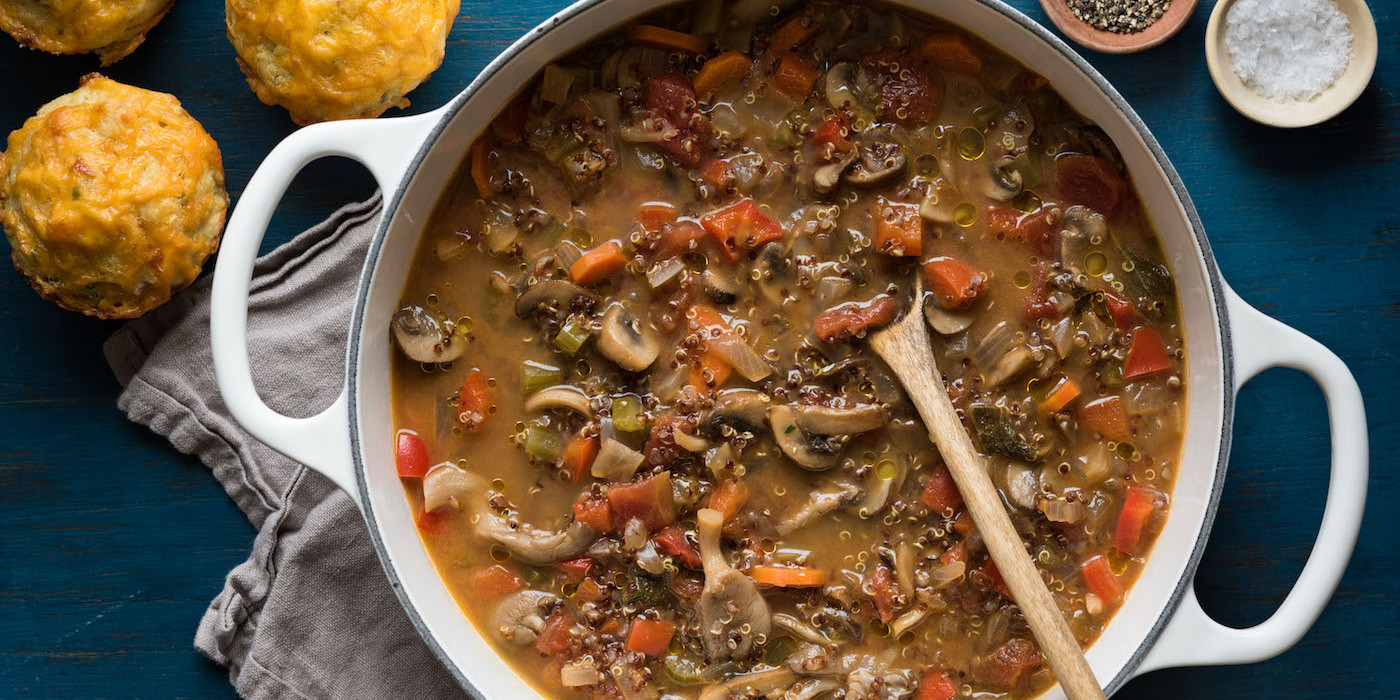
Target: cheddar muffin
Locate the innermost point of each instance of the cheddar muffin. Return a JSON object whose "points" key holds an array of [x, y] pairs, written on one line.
{"points": [[112, 197], [109, 28], [338, 59]]}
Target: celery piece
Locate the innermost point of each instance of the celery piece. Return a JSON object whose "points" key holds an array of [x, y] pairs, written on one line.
{"points": [[627, 414], [543, 443], [571, 336], [537, 375]]}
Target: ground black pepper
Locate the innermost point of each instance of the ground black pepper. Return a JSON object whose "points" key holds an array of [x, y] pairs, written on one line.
{"points": [[1119, 16]]}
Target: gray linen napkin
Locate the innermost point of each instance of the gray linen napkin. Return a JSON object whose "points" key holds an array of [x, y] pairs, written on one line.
{"points": [[310, 614]]}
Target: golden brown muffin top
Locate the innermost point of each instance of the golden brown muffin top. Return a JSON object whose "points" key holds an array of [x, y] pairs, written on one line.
{"points": [[325, 60], [110, 28], [111, 197]]}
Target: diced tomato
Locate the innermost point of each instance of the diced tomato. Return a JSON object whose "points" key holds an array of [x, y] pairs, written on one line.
{"points": [[410, 454], [661, 445], [493, 581], [962, 524], [740, 227], [655, 215], [912, 91], [794, 78], [1101, 580], [957, 552], [941, 492], [956, 284], [952, 51], [670, 98], [793, 32], [1090, 181], [434, 523], [579, 456], [880, 589], [558, 632], [648, 500], [1147, 355], [1106, 416], [1035, 230], [595, 512], [854, 319], [650, 636], [677, 238], [671, 541], [1138, 507], [475, 402], [1039, 305], [1008, 667], [834, 132], [728, 498], [935, 685], [995, 580], [575, 568], [509, 125], [899, 230], [590, 591], [1120, 309], [716, 172], [598, 264]]}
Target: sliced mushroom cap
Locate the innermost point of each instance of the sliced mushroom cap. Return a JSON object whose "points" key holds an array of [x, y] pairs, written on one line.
{"points": [[742, 410], [825, 177], [820, 502], [533, 545], [944, 321], [851, 420], [939, 201], [1080, 228], [562, 396], [623, 340], [810, 451], [520, 616], [423, 338], [734, 618], [879, 160], [721, 289], [999, 180], [554, 294], [449, 485], [751, 684]]}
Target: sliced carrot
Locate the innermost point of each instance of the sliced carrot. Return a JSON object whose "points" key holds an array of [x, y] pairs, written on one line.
{"points": [[481, 168], [935, 685], [788, 576], [671, 541], [712, 372], [590, 591], [1106, 416], [1101, 580], [1138, 508], [650, 636], [1147, 355], [941, 492], [728, 67], [648, 500], [740, 227], [953, 52], [956, 284], [598, 264], [793, 32], [655, 215], [957, 552], [493, 581], [475, 402], [575, 568], [579, 456], [728, 498], [794, 78], [899, 230], [595, 512], [667, 38], [1066, 392]]}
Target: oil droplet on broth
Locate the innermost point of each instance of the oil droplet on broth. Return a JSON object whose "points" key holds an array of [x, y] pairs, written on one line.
{"points": [[1095, 263], [432, 300], [970, 143], [886, 469], [465, 324], [499, 553], [1021, 279], [927, 165], [1026, 202], [965, 214]]}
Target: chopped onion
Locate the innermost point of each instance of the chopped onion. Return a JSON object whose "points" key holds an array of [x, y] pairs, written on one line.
{"points": [[664, 272], [666, 382], [945, 574], [447, 485], [554, 85], [1021, 485], [451, 246], [993, 346], [1062, 337], [616, 461], [579, 673], [832, 289], [649, 560], [1058, 510], [738, 353]]}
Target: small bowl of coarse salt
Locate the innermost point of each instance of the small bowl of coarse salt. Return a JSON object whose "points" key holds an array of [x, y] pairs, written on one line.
{"points": [[1291, 63]]}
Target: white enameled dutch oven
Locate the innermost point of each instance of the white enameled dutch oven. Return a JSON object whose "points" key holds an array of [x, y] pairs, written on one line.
{"points": [[413, 158]]}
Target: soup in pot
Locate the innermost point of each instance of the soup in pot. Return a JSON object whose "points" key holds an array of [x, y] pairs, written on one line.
{"points": [[637, 421]]}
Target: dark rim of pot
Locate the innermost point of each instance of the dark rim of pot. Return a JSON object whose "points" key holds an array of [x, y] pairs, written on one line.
{"points": [[1026, 23]]}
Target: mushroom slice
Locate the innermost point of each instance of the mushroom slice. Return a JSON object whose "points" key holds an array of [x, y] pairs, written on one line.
{"points": [[943, 321], [879, 160], [826, 177], [448, 485], [1018, 360], [561, 396], [852, 420], [999, 180], [423, 338], [623, 340], [822, 501], [741, 410], [734, 617], [556, 294], [720, 288], [528, 543], [520, 617], [814, 452], [751, 684]]}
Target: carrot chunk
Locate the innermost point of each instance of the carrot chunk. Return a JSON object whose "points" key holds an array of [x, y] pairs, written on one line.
{"points": [[475, 402], [788, 576], [951, 51], [598, 264], [1062, 395], [955, 284], [728, 498], [941, 492], [899, 230], [1106, 415], [935, 685], [794, 77], [650, 636], [1101, 580], [493, 581], [728, 67], [579, 456], [667, 38]]}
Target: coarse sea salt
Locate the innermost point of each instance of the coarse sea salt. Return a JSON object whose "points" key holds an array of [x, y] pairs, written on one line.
{"points": [[1288, 50]]}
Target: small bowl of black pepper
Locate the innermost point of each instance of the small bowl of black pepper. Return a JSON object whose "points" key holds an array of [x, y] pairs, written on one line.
{"points": [[1119, 26]]}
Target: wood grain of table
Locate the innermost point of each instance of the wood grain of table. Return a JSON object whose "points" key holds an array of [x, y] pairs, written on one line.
{"points": [[112, 544]]}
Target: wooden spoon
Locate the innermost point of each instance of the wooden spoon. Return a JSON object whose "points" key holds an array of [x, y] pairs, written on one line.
{"points": [[904, 346]]}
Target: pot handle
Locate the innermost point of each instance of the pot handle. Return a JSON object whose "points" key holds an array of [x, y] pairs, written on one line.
{"points": [[322, 442], [1191, 637]]}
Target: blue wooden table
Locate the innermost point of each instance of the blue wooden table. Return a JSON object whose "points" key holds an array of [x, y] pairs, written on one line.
{"points": [[111, 543]]}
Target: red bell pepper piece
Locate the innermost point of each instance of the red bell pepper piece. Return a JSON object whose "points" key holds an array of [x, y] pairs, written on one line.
{"points": [[410, 454]]}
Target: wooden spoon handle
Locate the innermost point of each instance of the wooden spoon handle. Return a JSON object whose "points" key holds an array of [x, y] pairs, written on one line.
{"points": [[911, 358]]}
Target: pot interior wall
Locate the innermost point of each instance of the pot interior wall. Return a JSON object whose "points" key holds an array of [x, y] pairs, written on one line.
{"points": [[443, 624]]}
